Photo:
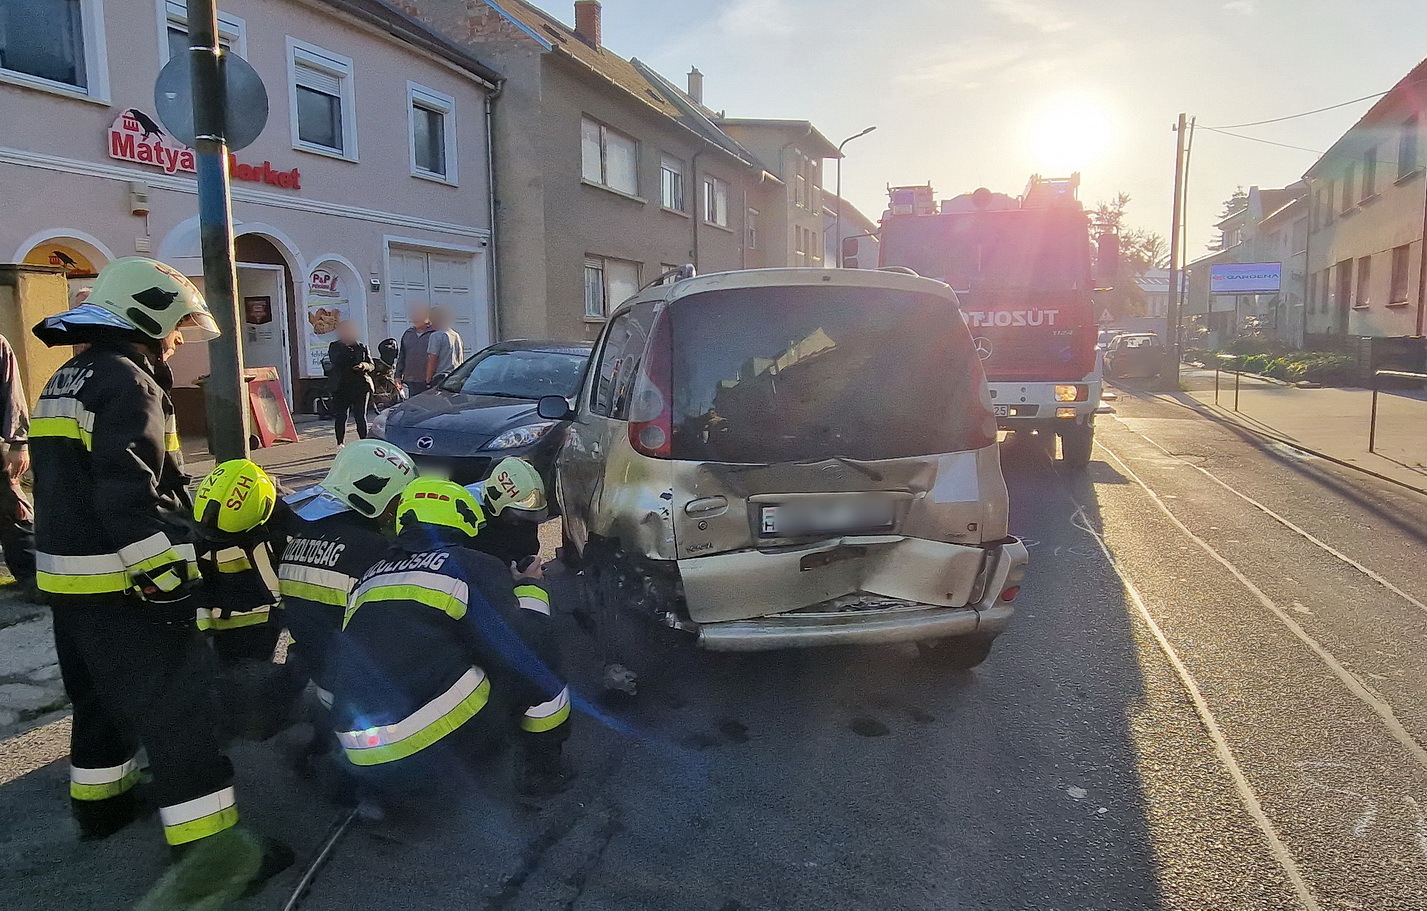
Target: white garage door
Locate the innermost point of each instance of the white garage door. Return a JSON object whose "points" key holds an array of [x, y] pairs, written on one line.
{"points": [[455, 280]]}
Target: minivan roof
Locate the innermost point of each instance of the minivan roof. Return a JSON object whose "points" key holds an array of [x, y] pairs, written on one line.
{"points": [[765, 278]]}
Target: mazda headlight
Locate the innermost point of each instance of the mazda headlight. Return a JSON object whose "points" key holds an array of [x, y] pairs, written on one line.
{"points": [[521, 436]]}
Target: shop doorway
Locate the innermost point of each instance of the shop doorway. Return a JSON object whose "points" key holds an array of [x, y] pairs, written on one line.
{"points": [[263, 305]]}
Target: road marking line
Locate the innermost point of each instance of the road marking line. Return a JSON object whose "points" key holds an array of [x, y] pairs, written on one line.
{"points": [[1295, 528], [1247, 796], [1379, 706]]}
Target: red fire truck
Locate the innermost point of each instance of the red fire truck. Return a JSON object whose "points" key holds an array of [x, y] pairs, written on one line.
{"points": [[1023, 272]]}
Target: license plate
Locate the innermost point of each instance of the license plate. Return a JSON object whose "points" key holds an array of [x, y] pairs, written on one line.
{"points": [[791, 520], [1001, 411]]}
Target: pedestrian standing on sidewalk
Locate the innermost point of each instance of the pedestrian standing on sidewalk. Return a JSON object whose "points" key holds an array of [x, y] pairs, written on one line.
{"points": [[17, 533], [116, 561], [411, 356], [444, 350], [352, 369]]}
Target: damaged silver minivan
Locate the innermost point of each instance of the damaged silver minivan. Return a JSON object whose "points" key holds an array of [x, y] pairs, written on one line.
{"points": [[792, 457]]}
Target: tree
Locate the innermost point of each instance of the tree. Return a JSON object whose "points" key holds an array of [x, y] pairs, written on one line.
{"points": [[1235, 204], [1140, 251]]}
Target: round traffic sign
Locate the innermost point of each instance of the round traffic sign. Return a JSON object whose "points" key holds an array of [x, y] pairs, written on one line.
{"points": [[247, 100]]}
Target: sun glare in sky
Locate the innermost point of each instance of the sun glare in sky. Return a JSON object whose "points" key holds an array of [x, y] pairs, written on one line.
{"points": [[1068, 135]]}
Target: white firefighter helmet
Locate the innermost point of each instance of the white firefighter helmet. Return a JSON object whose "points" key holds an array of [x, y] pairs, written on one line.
{"points": [[367, 475], [514, 489], [153, 298]]}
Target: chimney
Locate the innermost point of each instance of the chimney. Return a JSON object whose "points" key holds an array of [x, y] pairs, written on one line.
{"points": [[587, 21], [696, 85]]}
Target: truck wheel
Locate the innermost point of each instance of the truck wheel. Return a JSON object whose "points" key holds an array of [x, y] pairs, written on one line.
{"points": [[1076, 444], [959, 654]]}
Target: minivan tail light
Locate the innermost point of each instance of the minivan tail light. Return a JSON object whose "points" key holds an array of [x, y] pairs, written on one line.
{"points": [[651, 405]]}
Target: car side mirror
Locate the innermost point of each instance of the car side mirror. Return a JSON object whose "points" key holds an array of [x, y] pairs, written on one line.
{"points": [[438, 379], [555, 408], [849, 252]]}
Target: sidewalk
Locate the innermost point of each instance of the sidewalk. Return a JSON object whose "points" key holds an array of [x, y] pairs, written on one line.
{"points": [[1331, 421], [294, 464]]}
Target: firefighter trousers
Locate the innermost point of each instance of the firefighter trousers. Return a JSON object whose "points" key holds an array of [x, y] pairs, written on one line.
{"points": [[140, 675]]}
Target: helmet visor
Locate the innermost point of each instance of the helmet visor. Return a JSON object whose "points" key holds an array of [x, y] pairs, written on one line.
{"points": [[198, 327]]}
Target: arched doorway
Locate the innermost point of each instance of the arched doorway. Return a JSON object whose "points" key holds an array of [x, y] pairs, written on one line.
{"points": [[80, 258]]}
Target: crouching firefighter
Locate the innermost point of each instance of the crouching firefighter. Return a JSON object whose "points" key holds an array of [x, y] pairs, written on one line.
{"points": [[116, 561], [232, 506], [332, 533], [445, 653]]}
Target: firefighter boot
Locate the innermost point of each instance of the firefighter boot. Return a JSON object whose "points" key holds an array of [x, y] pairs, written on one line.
{"points": [[102, 818], [215, 871], [541, 774]]}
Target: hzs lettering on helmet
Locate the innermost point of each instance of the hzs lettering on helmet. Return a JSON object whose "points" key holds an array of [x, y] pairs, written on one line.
{"points": [[239, 494], [507, 483]]}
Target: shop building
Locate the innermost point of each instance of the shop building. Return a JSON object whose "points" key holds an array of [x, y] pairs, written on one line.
{"points": [[368, 190]]}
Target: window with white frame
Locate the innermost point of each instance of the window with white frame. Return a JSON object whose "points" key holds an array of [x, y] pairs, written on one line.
{"points": [[750, 226], [671, 183], [54, 44], [608, 157], [322, 100], [716, 201], [432, 116], [608, 283], [173, 28]]}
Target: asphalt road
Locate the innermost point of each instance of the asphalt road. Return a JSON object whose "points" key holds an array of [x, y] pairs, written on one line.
{"points": [[1212, 697]]}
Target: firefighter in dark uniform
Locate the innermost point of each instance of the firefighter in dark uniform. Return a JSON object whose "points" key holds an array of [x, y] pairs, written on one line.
{"points": [[116, 561], [445, 653], [232, 506], [331, 534]]}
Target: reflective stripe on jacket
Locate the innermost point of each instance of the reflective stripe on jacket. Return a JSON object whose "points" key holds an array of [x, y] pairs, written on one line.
{"points": [[423, 727]]}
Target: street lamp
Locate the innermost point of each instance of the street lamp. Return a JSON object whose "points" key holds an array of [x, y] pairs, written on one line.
{"points": [[837, 225]]}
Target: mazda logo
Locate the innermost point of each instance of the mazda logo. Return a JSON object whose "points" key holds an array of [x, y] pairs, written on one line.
{"points": [[983, 347], [425, 443]]}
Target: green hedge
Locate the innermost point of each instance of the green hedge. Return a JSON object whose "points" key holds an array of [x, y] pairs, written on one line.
{"points": [[1326, 367]]}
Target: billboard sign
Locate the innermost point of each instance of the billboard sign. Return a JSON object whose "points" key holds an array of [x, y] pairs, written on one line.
{"points": [[1245, 278]]}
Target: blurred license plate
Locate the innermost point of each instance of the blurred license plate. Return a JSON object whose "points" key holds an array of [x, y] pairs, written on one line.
{"points": [[826, 517], [1001, 411]]}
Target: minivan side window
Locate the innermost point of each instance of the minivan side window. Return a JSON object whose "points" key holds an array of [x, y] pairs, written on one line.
{"points": [[620, 357]]}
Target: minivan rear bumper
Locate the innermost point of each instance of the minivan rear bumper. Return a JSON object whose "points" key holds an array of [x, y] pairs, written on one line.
{"points": [[988, 615], [807, 630]]}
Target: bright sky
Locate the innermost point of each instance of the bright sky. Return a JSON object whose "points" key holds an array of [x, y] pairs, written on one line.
{"points": [[969, 93]]}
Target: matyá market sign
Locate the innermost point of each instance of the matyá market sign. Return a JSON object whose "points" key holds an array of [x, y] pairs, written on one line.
{"points": [[137, 137]]}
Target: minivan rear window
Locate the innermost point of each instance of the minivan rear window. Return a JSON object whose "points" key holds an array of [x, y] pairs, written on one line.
{"points": [[798, 373]]}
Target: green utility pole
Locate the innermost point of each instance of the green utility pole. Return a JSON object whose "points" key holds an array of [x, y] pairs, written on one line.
{"points": [[225, 391]]}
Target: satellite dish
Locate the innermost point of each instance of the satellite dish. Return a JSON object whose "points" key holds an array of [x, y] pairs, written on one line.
{"points": [[247, 100]]}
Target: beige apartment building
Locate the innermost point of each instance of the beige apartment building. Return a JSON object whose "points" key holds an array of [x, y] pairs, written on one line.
{"points": [[605, 178], [608, 175], [368, 189], [1366, 271]]}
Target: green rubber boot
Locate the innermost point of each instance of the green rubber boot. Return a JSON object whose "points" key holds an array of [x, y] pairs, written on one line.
{"points": [[216, 871]]}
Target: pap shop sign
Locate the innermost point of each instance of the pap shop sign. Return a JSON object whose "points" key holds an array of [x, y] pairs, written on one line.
{"points": [[137, 137]]}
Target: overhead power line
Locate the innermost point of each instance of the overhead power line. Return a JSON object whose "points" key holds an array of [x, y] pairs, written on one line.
{"points": [[1331, 107], [1282, 145]]}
